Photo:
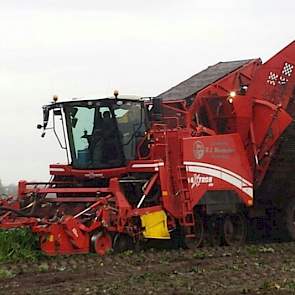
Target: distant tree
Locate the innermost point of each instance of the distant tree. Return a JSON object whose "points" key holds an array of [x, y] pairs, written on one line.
{"points": [[7, 190], [11, 189]]}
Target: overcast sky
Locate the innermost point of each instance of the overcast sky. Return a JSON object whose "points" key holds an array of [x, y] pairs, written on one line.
{"points": [[89, 48]]}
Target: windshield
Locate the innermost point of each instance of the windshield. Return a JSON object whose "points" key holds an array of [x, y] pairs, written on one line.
{"points": [[104, 134]]}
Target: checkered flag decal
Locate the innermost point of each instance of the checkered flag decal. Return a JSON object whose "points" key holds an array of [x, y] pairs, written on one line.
{"points": [[287, 70], [274, 78], [283, 80]]}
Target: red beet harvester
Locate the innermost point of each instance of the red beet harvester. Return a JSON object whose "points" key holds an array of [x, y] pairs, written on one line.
{"points": [[197, 162]]}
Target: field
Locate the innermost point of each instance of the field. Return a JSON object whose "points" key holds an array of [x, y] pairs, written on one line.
{"points": [[252, 269]]}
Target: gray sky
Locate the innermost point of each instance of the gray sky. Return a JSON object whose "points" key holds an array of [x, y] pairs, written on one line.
{"points": [[89, 48]]}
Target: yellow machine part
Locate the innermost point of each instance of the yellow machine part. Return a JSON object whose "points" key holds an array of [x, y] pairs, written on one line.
{"points": [[155, 225]]}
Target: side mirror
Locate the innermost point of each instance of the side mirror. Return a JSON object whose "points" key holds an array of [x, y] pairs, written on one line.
{"points": [[45, 117]]}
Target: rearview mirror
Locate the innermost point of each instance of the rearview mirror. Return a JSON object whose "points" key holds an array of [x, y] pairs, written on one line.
{"points": [[45, 117]]}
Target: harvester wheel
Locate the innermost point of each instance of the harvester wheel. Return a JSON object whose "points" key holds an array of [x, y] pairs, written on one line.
{"points": [[199, 230], [215, 230], [198, 240], [122, 242], [234, 230], [101, 243]]}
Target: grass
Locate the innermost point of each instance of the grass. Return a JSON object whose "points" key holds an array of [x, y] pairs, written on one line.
{"points": [[6, 274], [199, 255], [257, 249], [18, 244]]}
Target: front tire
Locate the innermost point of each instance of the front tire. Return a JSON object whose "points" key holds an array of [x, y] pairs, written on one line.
{"points": [[199, 232]]}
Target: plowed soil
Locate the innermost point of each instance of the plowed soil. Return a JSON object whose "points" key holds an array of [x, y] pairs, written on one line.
{"points": [[253, 269]]}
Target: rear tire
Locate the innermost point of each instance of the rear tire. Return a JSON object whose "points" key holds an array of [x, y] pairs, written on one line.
{"points": [[215, 223], [234, 230]]}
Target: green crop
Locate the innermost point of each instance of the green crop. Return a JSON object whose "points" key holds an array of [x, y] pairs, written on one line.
{"points": [[18, 244]]}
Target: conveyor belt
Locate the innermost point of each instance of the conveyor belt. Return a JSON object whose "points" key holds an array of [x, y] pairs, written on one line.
{"points": [[202, 79]]}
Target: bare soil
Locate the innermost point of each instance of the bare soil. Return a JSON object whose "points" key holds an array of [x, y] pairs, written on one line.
{"points": [[253, 269]]}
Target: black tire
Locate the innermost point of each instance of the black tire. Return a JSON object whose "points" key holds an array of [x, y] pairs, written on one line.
{"points": [[122, 242], [215, 223], [234, 230], [178, 238], [199, 231]]}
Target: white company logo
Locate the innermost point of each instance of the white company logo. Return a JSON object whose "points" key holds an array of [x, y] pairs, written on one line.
{"points": [[198, 150], [197, 179]]}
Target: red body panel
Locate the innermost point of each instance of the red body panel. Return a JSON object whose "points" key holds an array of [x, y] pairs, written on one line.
{"points": [[217, 162]]}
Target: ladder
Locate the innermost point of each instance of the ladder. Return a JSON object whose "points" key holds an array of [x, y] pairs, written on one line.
{"points": [[188, 220]]}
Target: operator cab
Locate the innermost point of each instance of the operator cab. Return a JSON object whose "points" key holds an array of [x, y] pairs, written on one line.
{"points": [[102, 133]]}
